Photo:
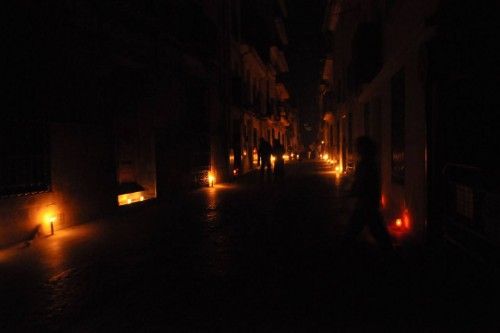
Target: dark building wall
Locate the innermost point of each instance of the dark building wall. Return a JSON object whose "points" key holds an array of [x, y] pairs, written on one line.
{"points": [[461, 67], [82, 186], [386, 90], [83, 69], [429, 105], [83, 171]]}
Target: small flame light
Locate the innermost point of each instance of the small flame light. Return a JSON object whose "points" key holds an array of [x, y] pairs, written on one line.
{"points": [[51, 219], [48, 218], [325, 157], [255, 156], [338, 171], [211, 179], [401, 225]]}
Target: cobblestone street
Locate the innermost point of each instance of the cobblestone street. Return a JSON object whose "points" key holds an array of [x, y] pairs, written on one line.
{"points": [[243, 256]]}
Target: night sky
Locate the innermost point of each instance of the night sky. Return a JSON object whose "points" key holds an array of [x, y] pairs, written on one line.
{"points": [[305, 51]]}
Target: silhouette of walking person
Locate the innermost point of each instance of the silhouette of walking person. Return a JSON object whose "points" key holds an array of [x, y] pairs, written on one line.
{"points": [[366, 189], [279, 162], [265, 159]]}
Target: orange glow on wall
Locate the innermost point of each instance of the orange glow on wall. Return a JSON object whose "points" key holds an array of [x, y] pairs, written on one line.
{"points": [[383, 201], [406, 219]]}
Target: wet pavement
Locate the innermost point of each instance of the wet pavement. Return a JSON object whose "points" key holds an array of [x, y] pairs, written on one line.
{"points": [[244, 256]]}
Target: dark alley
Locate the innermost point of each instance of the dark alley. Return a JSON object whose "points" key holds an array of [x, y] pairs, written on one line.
{"points": [[250, 166]]}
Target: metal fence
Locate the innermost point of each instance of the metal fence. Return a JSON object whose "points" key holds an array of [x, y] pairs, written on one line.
{"points": [[471, 219]]}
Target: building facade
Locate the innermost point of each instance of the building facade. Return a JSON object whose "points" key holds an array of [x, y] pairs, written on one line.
{"points": [[407, 74], [260, 96], [111, 104]]}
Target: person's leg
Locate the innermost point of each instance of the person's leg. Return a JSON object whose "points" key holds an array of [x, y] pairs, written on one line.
{"points": [[267, 165], [354, 227], [279, 170], [379, 230]]}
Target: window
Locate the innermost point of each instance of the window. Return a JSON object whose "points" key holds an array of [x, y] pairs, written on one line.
{"points": [[24, 163], [398, 127]]}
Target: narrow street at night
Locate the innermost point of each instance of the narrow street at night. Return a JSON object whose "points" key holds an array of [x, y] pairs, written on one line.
{"points": [[241, 256], [250, 166]]}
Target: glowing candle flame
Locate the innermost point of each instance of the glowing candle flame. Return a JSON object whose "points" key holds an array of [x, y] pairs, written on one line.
{"points": [[211, 179]]}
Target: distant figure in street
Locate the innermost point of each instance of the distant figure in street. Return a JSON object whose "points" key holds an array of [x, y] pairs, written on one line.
{"points": [[279, 162], [264, 152], [366, 189]]}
